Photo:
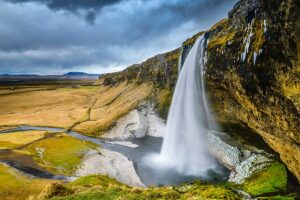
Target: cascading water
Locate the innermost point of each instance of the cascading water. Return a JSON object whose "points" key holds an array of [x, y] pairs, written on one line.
{"points": [[189, 119]]}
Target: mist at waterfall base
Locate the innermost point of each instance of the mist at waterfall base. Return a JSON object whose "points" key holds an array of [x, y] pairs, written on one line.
{"points": [[184, 148]]}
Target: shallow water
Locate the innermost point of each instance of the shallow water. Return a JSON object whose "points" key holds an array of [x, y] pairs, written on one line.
{"points": [[150, 175], [36, 172]]}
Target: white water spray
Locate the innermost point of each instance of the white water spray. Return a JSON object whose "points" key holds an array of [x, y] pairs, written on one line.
{"points": [[189, 119]]}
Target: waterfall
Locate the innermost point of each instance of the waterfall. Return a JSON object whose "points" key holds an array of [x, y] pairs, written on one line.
{"points": [[189, 119]]}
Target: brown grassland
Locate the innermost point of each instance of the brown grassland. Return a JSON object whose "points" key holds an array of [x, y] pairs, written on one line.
{"points": [[89, 109]]}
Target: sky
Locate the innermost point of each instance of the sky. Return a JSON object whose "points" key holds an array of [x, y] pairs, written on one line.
{"points": [[97, 36]]}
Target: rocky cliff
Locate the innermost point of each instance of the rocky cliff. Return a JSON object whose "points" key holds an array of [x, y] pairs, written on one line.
{"points": [[252, 75]]}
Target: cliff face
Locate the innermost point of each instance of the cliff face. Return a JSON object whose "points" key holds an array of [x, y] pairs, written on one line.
{"points": [[253, 74], [160, 72]]}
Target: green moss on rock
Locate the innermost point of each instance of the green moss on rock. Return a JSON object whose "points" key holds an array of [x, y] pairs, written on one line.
{"points": [[277, 198], [164, 99], [222, 40], [193, 39], [272, 179]]}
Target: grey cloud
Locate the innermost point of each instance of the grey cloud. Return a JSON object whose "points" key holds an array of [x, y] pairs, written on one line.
{"points": [[36, 36], [90, 6], [71, 5]]}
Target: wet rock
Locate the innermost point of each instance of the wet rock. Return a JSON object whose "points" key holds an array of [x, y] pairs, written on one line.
{"points": [[138, 123], [114, 164], [243, 161]]}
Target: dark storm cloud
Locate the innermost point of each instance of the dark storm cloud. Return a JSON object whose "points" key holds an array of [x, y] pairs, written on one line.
{"points": [[188, 8], [53, 35], [91, 6], [71, 5]]}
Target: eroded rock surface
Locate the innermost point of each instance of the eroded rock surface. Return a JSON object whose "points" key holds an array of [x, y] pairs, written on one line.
{"points": [[243, 161], [114, 164], [138, 123]]}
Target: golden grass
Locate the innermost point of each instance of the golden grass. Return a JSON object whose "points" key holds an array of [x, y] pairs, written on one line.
{"points": [[14, 90], [55, 108], [15, 186], [87, 109], [111, 105], [17, 139]]}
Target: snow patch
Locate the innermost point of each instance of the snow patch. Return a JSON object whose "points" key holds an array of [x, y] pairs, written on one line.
{"points": [[254, 57], [247, 46], [265, 26]]}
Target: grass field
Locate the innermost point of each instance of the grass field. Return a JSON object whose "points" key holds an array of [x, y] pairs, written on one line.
{"points": [[105, 188], [60, 154], [18, 139], [56, 108], [90, 109], [16, 186]]}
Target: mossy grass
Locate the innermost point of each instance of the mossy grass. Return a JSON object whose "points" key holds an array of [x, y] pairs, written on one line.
{"points": [[290, 197], [15, 185], [93, 180], [13, 140], [272, 179], [164, 99], [222, 40], [60, 154], [103, 187], [193, 39]]}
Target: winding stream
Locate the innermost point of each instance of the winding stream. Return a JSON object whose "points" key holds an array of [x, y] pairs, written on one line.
{"points": [[143, 146]]}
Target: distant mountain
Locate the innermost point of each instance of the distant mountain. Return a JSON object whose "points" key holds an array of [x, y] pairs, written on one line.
{"points": [[79, 74], [31, 77]]}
